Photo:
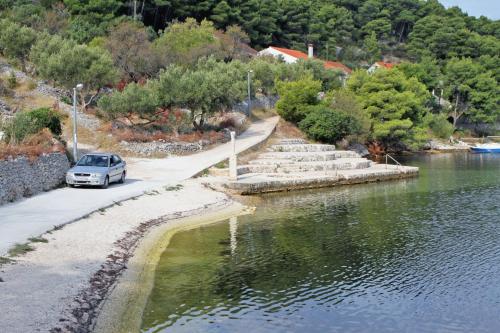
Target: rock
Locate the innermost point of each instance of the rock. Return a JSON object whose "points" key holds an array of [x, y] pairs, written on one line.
{"points": [[85, 317], [160, 146], [360, 149], [19, 177], [437, 145]]}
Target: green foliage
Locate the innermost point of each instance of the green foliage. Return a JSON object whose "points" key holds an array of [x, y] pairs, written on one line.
{"points": [[439, 125], [327, 125], [474, 91], [133, 99], [20, 249], [90, 18], [68, 64], [27, 123], [209, 87], [426, 71], [16, 40], [296, 96], [132, 52], [345, 102], [187, 42], [372, 48], [396, 104]]}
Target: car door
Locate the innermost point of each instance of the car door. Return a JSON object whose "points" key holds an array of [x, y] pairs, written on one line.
{"points": [[117, 167], [112, 168]]}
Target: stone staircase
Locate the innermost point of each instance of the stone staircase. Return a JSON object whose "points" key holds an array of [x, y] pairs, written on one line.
{"points": [[295, 156], [294, 164]]}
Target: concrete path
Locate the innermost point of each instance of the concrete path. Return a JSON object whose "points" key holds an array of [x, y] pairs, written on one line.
{"points": [[34, 216]]}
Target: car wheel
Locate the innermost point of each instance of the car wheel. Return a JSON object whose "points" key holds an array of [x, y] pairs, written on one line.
{"points": [[106, 182], [71, 185], [122, 178]]}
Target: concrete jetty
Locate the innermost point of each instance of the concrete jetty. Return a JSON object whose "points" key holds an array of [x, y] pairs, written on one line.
{"points": [[293, 164]]}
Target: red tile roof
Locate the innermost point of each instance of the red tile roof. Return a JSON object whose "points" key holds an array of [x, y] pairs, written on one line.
{"points": [[293, 53], [385, 64], [302, 55], [337, 65]]}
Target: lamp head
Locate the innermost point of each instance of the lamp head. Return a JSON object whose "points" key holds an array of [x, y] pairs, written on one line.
{"points": [[79, 86]]}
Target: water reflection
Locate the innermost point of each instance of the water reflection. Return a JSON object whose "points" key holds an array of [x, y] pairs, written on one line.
{"points": [[409, 256]]}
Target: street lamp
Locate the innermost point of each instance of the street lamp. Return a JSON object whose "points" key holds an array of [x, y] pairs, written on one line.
{"points": [[249, 73], [75, 140]]}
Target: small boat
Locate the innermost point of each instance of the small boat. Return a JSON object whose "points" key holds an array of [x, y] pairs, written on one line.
{"points": [[486, 148]]}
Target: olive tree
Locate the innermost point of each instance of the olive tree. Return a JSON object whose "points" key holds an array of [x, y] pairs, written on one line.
{"points": [[16, 41]]}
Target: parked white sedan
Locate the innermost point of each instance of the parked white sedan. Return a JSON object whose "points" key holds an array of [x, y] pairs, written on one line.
{"points": [[97, 169]]}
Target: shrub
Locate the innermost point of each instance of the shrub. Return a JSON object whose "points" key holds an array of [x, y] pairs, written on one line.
{"points": [[296, 96], [31, 122], [327, 125], [440, 126], [12, 81], [4, 91]]}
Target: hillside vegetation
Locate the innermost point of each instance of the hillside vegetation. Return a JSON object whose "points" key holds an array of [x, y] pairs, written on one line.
{"points": [[164, 56]]}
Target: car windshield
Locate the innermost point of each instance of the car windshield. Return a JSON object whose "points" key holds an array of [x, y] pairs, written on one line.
{"points": [[94, 161]]}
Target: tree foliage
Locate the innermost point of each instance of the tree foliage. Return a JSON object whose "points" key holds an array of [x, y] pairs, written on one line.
{"points": [[473, 91], [16, 40], [395, 103], [296, 97], [324, 124]]}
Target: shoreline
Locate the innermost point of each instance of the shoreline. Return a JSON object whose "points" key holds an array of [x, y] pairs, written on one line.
{"points": [[64, 283], [123, 308]]}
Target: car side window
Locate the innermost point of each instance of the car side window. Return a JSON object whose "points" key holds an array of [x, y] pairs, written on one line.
{"points": [[115, 160]]}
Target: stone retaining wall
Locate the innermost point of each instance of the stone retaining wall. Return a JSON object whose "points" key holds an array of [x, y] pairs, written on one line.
{"points": [[20, 177]]}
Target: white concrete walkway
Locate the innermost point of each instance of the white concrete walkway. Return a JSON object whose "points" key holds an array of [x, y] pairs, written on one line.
{"points": [[36, 215]]}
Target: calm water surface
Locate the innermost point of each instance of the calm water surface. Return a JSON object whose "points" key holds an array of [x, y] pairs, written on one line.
{"points": [[420, 255]]}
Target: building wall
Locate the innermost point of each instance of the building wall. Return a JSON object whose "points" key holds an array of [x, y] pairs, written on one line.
{"points": [[275, 53]]}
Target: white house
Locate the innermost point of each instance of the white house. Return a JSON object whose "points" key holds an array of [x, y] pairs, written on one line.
{"points": [[291, 56]]}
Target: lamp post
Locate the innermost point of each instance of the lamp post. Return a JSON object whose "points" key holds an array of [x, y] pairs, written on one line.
{"points": [[249, 77], [75, 140]]}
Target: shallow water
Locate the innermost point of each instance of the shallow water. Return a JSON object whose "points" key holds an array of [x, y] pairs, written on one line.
{"points": [[419, 255]]}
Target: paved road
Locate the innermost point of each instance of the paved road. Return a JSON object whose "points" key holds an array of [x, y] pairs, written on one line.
{"points": [[34, 216]]}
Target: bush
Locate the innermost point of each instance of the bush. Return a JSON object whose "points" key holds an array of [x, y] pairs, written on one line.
{"points": [[440, 126], [31, 122], [295, 97], [4, 91], [327, 125], [12, 81]]}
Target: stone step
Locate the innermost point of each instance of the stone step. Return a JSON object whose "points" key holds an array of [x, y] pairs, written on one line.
{"points": [[292, 141], [301, 148], [267, 158], [339, 164]]}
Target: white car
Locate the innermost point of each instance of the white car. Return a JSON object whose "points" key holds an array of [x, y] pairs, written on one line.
{"points": [[97, 169]]}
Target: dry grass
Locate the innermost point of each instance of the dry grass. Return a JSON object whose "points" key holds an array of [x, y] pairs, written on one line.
{"points": [[285, 130], [32, 147], [259, 114], [26, 98]]}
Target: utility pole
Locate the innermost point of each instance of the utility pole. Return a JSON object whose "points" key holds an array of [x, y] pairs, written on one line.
{"points": [[249, 92], [135, 10], [75, 139]]}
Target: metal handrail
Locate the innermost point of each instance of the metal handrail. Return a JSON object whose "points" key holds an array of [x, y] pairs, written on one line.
{"points": [[387, 156]]}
